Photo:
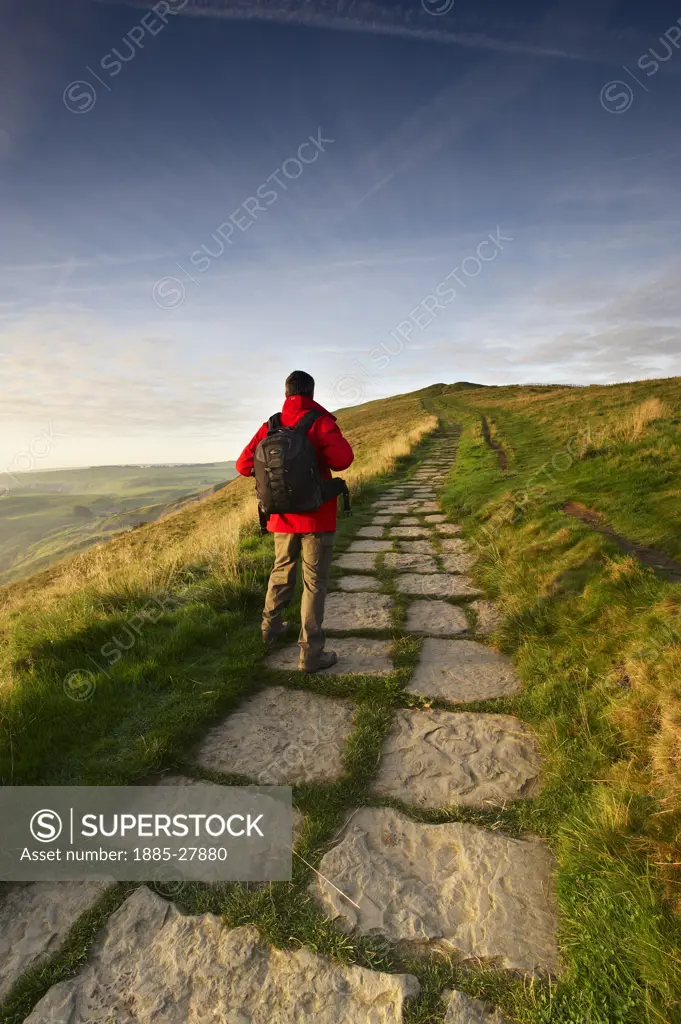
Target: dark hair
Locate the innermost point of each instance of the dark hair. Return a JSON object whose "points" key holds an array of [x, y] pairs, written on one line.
{"points": [[299, 383]]}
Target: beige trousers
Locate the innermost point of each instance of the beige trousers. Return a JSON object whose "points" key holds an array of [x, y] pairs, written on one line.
{"points": [[317, 552]]}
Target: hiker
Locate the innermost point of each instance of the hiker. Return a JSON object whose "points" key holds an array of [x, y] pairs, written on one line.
{"points": [[295, 475]]}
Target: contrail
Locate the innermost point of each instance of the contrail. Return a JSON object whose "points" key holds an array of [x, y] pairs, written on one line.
{"points": [[366, 16]]}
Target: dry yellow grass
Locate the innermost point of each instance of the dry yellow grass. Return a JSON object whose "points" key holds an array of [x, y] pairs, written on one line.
{"points": [[208, 534], [649, 411]]}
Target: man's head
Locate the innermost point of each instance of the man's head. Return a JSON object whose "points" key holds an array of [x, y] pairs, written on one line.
{"points": [[299, 383]]}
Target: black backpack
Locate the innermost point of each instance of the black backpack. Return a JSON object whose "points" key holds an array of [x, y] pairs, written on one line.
{"points": [[287, 474]]}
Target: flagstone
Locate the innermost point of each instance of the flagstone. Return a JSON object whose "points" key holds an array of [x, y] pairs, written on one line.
{"points": [[454, 545], [459, 888], [361, 546], [409, 531], [356, 656], [458, 563], [435, 618], [416, 547], [280, 736], [357, 611], [395, 510], [361, 561], [414, 562], [427, 506], [462, 671], [35, 921], [461, 1009], [437, 585], [448, 529], [457, 759], [352, 583], [151, 962]]}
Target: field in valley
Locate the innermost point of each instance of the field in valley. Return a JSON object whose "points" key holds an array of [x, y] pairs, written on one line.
{"points": [[45, 516]]}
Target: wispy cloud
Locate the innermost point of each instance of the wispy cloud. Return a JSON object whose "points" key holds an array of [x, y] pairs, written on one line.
{"points": [[385, 19], [72, 263]]}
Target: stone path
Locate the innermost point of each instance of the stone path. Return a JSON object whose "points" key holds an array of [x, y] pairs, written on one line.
{"points": [[151, 963], [453, 887], [35, 920], [472, 892]]}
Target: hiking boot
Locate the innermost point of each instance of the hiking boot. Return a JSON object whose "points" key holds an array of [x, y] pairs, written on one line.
{"points": [[270, 636], [325, 659]]}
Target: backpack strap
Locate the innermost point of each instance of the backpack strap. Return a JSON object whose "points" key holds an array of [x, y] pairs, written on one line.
{"points": [[304, 424], [274, 422]]}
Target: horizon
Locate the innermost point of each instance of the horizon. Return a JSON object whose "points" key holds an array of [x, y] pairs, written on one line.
{"points": [[160, 465], [197, 199]]}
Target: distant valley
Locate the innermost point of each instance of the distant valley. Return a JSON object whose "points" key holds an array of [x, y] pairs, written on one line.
{"points": [[47, 515]]}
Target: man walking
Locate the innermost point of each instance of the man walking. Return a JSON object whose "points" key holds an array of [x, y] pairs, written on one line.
{"points": [[309, 534]]}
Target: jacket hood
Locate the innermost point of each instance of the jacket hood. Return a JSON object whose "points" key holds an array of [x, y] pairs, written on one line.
{"points": [[299, 404]]}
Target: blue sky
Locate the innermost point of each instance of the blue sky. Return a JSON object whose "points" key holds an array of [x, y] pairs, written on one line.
{"points": [[173, 243]]}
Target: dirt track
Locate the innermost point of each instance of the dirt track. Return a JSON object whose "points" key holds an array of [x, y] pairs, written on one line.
{"points": [[501, 454]]}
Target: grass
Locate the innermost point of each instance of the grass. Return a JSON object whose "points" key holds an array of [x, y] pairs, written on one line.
{"points": [[595, 638]]}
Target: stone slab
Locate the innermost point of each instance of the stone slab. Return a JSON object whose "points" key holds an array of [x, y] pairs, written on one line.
{"points": [[358, 546], [409, 521], [364, 561], [489, 616], [357, 656], [357, 612], [416, 547], [409, 531], [448, 529], [438, 585], [152, 963], [461, 1009], [458, 563], [371, 531], [462, 670], [414, 563], [457, 759], [464, 889], [380, 520], [395, 508], [425, 507], [455, 546], [184, 780], [351, 584], [281, 736], [434, 517], [35, 920], [354, 583], [435, 618]]}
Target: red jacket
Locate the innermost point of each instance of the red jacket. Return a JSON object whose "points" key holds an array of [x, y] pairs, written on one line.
{"points": [[333, 452]]}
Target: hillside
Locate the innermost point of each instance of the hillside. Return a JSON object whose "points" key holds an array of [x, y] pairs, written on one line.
{"points": [[45, 516], [560, 507]]}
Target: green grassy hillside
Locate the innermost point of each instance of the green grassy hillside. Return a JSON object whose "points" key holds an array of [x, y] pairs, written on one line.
{"points": [[114, 661], [595, 631]]}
